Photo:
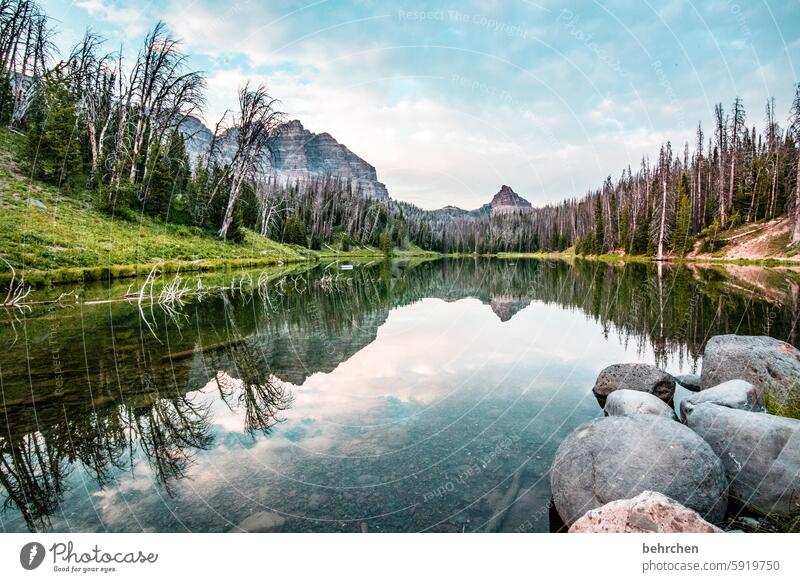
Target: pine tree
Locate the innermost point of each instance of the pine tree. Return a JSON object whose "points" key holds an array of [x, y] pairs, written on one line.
{"points": [[6, 99], [641, 236], [295, 232], [385, 242], [681, 234], [54, 140], [624, 229], [598, 242], [167, 177]]}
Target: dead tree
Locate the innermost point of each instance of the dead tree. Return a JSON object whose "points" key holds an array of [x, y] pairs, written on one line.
{"points": [[255, 126]]}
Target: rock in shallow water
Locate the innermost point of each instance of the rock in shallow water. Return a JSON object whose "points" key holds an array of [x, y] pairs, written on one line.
{"points": [[737, 394], [641, 377], [648, 512], [262, 522], [619, 457], [767, 363], [626, 402], [761, 454]]}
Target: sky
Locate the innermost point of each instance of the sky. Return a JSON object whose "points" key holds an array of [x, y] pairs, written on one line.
{"points": [[451, 100]]}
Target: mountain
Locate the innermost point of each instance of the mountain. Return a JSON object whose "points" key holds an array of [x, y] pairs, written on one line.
{"points": [[297, 155], [506, 200]]}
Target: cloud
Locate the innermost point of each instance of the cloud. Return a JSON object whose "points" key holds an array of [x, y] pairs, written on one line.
{"points": [[448, 109], [131, 21]]}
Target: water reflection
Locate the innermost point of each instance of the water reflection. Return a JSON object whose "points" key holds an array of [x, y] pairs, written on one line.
{"points": [[416, 396]]}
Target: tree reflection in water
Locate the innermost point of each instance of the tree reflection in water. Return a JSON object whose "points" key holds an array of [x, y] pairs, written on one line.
{"points": [[41, 447]]}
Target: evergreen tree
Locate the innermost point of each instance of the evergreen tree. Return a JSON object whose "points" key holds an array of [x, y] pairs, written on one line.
{"points": [[385, 242], [295, 231], [681, 234], [641, 236], [624, 229], [54, 139], [6, 99], [598, 244], [168, 177]]}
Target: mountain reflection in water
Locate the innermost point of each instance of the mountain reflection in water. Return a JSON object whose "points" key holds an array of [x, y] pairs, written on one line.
{"points": [[405, 396]]}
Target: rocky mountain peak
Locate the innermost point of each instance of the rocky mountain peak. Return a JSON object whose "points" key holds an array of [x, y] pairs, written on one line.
{"points": [[297, 155], [506, 199]]}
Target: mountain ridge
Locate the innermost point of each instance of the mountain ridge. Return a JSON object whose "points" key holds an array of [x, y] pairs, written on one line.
{"points": [[296, 155]]}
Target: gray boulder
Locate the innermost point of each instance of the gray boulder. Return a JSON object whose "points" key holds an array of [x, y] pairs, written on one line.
{"points": [[641, 377], [769, 364], [690, 382], [733, 394], [648, 512], [619, 457], [626, 402], [36, 203], [761, 454]]}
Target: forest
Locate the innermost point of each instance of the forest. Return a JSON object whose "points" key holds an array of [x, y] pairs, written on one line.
{"points": [[95, 123]]}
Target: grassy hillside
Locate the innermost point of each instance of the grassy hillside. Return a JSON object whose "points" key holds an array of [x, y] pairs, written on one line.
{"points": [[42, 229]]}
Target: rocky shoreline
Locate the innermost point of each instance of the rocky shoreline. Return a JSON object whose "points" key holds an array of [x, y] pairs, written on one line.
{"points": [[720, 459]]}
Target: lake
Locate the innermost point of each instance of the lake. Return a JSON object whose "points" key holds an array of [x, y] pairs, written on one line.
{"points": [[403, 396]]}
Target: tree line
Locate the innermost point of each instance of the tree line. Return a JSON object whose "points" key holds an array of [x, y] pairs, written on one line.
{"points": [[735, 176]]}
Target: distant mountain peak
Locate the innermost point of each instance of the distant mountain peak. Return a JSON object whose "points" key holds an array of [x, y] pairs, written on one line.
{"points": [[506, 199]]}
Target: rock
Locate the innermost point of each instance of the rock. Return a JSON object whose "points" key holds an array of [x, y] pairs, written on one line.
{"points": [[761, 454], [262, 522], [769, 364], [648, 512], [625, 402], [641, 377], [690, 382], [733, 394], [619, 457], [36, 203]]}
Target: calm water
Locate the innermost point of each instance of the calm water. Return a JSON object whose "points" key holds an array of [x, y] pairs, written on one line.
{"points": [[406, 397]]}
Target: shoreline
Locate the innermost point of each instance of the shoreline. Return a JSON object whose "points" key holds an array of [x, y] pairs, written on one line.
{"points": [[42, 277], [610, 258], [38, 278]]}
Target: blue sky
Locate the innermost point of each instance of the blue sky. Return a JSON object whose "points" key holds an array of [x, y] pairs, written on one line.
{"points": [[449, 100]]}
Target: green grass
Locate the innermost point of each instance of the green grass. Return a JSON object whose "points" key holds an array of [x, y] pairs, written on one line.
{"points": [[69, 240], [569, 254], [786, 523], [788, 406], [368, 252]]}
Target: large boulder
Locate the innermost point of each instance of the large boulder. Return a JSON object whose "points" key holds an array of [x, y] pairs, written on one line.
{"points": [[769, 364], [737, 394], [625, 402], [690, 382], [761, 454], [641, 377], [648, 512], [619, 457]]}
